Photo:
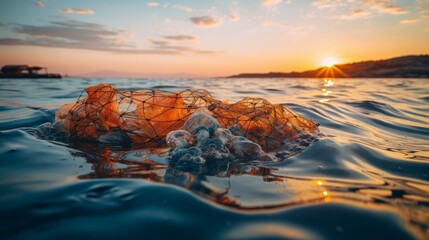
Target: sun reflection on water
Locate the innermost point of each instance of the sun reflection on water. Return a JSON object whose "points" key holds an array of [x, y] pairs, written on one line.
{"points": [[328, 82], [326, 90]]}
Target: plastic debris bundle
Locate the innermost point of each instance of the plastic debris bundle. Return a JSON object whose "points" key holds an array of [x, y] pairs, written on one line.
{"points": [[149, 116]]}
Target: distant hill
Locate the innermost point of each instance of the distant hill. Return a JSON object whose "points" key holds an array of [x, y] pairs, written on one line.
{"points": [[118, 74], [416, 66]]}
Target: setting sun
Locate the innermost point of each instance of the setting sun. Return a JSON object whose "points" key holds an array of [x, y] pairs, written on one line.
{"points": [[330, 61]]}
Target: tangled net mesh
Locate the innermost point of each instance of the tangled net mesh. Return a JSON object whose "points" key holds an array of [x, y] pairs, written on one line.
{"points": [[147, 116]]}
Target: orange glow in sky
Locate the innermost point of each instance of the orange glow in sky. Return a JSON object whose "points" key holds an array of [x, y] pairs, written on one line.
{"points": [[207, 38]]}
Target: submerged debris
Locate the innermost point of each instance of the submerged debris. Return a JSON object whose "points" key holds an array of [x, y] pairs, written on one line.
{"points": [[194, 125]]}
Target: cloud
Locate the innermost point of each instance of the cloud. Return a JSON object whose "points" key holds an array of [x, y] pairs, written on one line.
{"points": [[286, 28], [73, 34], [78, 11], [234, 17], [356, 14], [179, 7], [182, 38], [158, 43], [410, 20], [424, 11], [395, 10], [326, 3], [363, 8], [207, 52], [87, 36], [381, 6], [40, 4], [55, 43], [153, 4], [205, 21], [182, 7], [166, 45], [270, 2]]}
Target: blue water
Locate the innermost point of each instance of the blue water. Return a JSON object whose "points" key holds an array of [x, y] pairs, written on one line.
{"points": [[366, 177]]}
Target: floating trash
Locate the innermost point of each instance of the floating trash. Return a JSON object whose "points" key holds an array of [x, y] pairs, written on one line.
{"points": [[192, 123]]}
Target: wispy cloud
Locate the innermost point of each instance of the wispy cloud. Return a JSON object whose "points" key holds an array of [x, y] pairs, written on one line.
{"points": [[356, 14], [56, 43], [72, 34], [410, 20], [165, 45], [384, 6], [78, 11], [173, 46], [158, 43], [358, 9], [380, 6], [40, 4], [182, 38], [181, 7], [424, 10], [205, 21], [326, 3], [396, 10], [153, 4], [270, 2], [233, 17], [90, 36], [286, 28]]}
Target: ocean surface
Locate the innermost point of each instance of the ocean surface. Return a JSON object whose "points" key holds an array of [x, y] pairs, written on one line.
{"points": [[365, 177]]}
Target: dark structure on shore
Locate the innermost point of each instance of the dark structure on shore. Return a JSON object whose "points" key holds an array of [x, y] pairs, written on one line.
{"points": [[25, 71]]}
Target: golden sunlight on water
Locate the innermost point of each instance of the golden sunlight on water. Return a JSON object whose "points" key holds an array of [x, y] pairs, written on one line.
{"points": [[328, 82], [326, 90]]}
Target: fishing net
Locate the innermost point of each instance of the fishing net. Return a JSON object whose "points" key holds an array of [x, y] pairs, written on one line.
{"points": [[148, 116]]}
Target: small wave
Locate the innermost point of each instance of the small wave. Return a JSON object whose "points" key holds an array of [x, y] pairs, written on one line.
{"points": [[51, 88], [8, 108], [375, 106], [300, 87], [275, 90], [170, 87], [247, 92], [152, 208], [426, 99], [73, 94], [416, 131], [9, 90], [32, 119]]}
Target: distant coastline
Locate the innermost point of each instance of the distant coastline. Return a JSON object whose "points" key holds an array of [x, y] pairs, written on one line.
{"points": [[121, 74], [412, 66]]}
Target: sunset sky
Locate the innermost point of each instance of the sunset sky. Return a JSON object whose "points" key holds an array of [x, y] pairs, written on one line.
{"points": [[207, 38]]}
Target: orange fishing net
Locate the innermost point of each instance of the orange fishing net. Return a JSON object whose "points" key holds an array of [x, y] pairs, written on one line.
{"points": [[147, 116]]}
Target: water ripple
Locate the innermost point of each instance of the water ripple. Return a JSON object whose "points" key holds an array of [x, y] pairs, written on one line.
{"points": [[365, 177]]}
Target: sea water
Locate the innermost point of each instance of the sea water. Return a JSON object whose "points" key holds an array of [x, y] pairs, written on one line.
{"points": [[365, 177]]}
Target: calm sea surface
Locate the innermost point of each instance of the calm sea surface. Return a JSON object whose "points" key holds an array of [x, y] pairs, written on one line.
{"points": [[367, 177]]}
